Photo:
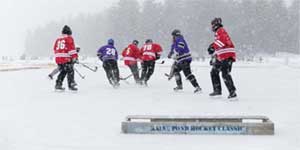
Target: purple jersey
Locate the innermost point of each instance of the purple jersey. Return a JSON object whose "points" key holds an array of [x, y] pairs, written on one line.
{"points": [[107, 52], [181, 49]]}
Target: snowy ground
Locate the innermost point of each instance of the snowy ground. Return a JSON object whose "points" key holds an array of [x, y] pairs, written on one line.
{"points": [[34, 117]]}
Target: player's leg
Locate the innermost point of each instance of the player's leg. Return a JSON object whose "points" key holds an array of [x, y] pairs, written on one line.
{"points": [[61, 77], [226, 69], [177, 69], [216, 81], [151, 67], [186, 68]]}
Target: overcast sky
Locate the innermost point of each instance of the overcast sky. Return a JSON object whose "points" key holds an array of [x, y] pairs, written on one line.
{"points": [[19, 16]]}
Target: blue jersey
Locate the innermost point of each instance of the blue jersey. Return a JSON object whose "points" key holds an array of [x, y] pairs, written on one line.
{"points": [[107, 52], [181, 49]]}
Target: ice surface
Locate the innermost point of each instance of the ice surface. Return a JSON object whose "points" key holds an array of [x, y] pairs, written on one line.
{"points": [[34, 117]]}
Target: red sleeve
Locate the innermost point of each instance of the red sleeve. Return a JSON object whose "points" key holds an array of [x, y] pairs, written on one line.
{"points": [[219, 39], [137, 52], [141, 51], [124, 52], [158, 49], [55, 46], [222, 39], [71, 47]]}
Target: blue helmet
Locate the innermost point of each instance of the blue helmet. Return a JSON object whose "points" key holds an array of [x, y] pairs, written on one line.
{"points": [[110, 42]]}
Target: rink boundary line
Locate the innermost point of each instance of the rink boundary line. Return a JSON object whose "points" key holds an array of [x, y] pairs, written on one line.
{"points": [[20, 69]]}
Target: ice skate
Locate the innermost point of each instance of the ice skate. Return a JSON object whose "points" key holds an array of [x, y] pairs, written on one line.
{"points": [[198, 90], [178, 88]]}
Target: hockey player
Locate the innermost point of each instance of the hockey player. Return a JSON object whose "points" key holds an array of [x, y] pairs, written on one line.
{"points": [[109, 56], [57, 69], [150, 53], [183, 60], [223, 55], [130, 55], [65, 57]]}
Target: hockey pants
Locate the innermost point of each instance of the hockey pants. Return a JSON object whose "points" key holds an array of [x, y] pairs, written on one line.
{"points": [[184, 66], [66, 70], [225, 67], [112, 71], [147, 70], [135, 71]]}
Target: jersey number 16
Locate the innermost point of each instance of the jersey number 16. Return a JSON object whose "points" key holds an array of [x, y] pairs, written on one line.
{"points": [[61, 44]]}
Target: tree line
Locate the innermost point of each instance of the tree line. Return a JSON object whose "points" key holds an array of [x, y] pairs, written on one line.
{"points": [[256, 26]]}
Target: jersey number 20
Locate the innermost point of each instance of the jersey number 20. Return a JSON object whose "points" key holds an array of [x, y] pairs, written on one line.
{"points": [[111, 51]]}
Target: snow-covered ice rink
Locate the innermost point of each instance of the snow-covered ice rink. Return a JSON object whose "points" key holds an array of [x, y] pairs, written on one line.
{"points": [[34, 117]]}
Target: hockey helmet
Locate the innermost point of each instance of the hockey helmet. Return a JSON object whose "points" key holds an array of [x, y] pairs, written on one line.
{"points": [[135, 42], [66, 30], [176, 32], [216, 23], [148, 41], [110, 42]]}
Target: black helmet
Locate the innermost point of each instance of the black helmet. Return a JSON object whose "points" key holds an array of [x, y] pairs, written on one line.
{"points": [[66, 30], [216, 23], [148, 41], [176, 32], [135, 42]]}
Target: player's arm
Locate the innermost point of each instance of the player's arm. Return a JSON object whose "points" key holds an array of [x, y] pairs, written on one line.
{"points": [[220, 40], [72, 50], [158, 52]]}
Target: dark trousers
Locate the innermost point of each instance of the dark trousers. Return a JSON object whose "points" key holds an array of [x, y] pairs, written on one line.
{"points": [[147, 70], [135, 71], [66, 70], [225, 67], [184, 66], [112, 71]]}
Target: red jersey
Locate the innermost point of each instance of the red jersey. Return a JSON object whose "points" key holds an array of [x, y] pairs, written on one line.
{"points": [[64, 49], [223, 45], [151, 51], [131, 54]]}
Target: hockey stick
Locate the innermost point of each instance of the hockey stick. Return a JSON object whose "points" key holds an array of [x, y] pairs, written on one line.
{"points": [[94, 69], [162, 62], [80, 75], [171, 74], [127, 77]]}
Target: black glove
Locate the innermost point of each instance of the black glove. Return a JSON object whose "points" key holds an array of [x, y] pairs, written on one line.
{"points": [[77, 49], [170, 55], [75, 61], [210, 49], [157, 57], [213, 61], [99, 56]]}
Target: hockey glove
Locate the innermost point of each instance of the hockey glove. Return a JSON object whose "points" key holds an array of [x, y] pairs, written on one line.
{"points": [[75, 61], [170, 55], [157, 57], [213, 60], [210, 49], [77, 49]]}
